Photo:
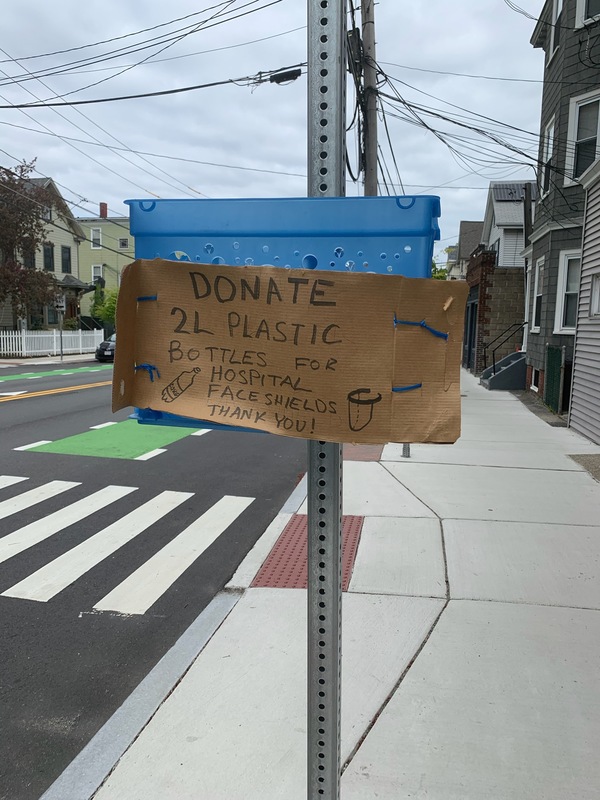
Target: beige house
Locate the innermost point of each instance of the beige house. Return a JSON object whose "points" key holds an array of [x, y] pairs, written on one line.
{"points": [[59, 255], [108, 247]]}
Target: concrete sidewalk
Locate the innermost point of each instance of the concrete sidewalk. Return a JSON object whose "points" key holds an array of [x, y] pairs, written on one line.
{"points": [[37, 360], [471, 641]]}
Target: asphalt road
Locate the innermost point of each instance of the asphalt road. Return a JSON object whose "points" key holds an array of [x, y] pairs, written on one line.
{"points": [[81, 624]]}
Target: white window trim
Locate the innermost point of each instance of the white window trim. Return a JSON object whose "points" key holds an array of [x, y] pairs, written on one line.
{"points": [[535, 387], [557, 7], [539, 266], [96, 246], [527, 298], [561, 286], [580, 18], [96, 266], [594, 310], [574, 104], [547, 153]]}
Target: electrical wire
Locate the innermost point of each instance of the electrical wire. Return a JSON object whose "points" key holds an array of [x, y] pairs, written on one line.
{"points": [[118, 38], [204, 25], [51, 222], [247, 80], [155, 42], [191, 192]]}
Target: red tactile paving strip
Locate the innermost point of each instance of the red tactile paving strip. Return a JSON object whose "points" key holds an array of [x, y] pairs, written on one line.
{"points": [[363, 452], [285, 566]]}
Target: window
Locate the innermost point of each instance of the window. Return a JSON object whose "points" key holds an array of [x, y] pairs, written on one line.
{"points": [[97, 270], [49, 257], [595, 296], [557, 7], [586, 11], [28, 257], [47, 214], [96, 238], [567, 294], [123, 244], [535, 380], [582, 136], [65, 257], [586, 138], [538, 287], [52, 315], [547, 153]]}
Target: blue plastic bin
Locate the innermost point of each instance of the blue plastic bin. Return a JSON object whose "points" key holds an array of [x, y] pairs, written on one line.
{"points": [[392, 235]]}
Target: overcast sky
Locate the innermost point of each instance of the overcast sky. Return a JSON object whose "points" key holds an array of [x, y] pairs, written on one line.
{"points": [[250, 140]]}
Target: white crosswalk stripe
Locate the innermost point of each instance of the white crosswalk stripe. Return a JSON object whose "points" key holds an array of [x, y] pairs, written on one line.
{"points": [[41, 529], [10, 480], [66, 569], [146, 584], [34, 496]]}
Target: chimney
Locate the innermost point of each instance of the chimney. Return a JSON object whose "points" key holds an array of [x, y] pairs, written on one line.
{"points": [[103, 210]]}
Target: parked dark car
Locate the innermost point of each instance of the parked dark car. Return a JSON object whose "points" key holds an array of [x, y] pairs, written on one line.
{"points": [[106, 350]]}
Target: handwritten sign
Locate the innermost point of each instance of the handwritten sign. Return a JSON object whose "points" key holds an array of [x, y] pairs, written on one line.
{"points": [[310, 354]]}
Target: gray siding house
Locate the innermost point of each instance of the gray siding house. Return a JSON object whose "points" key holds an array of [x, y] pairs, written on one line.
{"points": [[584, 415], [566, 30]]}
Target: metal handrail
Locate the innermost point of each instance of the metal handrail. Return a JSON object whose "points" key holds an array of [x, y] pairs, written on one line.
{"points": [[512, 333], [515, 325]]}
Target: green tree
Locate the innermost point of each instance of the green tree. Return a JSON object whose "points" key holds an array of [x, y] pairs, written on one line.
{"points": [[97, 302], [22, 232], [439, 273], [106, 311]]}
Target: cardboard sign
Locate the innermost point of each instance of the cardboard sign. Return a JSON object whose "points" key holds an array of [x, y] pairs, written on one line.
{"points": [[305, 353]]}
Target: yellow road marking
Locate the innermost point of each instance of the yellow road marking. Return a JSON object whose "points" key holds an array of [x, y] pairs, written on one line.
{"points": [[55, 391]]}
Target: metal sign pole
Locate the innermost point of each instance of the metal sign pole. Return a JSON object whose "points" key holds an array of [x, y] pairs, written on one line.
{"points": [[326, 171], [60, 320]]}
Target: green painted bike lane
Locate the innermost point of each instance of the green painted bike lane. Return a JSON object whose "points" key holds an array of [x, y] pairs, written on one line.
{"points": [[53, 373], [127, 439]]}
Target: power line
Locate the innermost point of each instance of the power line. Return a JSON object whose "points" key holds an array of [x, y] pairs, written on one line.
{"points": [[112, 148], [118, 38], [51, 222], [69, 202], [152, 43], [247, 80], [62, 116], [204, 25]]}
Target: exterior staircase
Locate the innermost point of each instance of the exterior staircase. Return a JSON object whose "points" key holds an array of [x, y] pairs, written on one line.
{"points": [[511, 372]]}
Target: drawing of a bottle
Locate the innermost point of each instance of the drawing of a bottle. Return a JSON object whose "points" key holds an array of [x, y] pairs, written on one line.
{"points": [[180, 385]]}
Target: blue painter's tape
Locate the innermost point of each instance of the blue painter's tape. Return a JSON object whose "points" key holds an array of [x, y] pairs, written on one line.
{"points": [[422, 324], [150, 369], [407, 388]]}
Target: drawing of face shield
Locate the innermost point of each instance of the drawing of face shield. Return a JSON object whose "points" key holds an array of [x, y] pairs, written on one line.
{"points": [[360, 408]]}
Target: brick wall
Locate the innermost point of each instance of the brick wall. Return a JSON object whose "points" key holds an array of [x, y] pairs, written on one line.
{"points": [[501, 299], [540, 380], [507, 299]]}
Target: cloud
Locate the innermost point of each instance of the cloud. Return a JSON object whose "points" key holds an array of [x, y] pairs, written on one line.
{"points": [[264, 127]]}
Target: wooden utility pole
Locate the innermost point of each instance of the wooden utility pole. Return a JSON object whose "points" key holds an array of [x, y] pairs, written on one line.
{"points": [[370, 96]]}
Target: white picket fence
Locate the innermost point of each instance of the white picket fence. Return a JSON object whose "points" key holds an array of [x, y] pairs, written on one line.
{"points": [[47, 343]]}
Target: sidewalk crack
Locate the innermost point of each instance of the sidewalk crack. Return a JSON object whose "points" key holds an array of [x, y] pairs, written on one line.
{"points": [[393, 691]]}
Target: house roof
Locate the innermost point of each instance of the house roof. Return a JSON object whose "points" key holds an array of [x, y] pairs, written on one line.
{"points": [[71, 282], [512, 191], [72, 222], [469, 238], [504, 207], [538, 38]]}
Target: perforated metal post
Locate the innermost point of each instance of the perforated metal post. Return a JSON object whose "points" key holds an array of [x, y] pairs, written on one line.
{"points": [[326, 147]]}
